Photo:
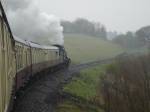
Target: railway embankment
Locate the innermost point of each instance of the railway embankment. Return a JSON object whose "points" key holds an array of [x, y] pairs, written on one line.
{"points": [[43, 95], [82, 94]]}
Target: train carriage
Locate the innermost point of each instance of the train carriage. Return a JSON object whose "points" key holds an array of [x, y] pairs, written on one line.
{"points": [[23, 62], [32, 58], [7, 62], [20, 60], [43, 57]]}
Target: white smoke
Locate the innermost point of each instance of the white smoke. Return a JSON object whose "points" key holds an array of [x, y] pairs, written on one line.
{"points": [[28, 22]]}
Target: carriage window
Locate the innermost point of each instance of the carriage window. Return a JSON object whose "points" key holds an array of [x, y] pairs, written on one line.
{"points": [[56, 53], [19, 57]]}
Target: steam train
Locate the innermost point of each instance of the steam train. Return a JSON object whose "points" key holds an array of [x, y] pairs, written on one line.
{"points": [[21, 60]]}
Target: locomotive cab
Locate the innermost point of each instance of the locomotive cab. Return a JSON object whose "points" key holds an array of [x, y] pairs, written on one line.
{"points": [[63, 55]]}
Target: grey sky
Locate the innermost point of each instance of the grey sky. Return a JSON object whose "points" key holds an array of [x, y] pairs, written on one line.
{"points": [[120, 15]]}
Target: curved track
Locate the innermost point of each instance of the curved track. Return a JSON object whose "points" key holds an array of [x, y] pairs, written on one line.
{"points": [[43, 94]]}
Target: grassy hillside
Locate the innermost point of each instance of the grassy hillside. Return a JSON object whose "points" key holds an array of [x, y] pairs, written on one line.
{"points": [[83, 48]]}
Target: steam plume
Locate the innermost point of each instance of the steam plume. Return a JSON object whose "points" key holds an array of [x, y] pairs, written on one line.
{"points": [[28, 22]]}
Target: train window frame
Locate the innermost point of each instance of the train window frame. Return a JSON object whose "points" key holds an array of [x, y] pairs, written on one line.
{"points": [[19, 52], [56, 53]]}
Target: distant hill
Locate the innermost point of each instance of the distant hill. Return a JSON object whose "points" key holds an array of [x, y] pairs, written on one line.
{"points": [[82, 48]]}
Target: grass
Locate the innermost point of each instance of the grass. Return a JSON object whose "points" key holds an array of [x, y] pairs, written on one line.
{"points": [[84, 86], [68, 106], [83, 48]]}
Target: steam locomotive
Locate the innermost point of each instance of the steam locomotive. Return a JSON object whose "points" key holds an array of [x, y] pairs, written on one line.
{"points": [[21, 60]]}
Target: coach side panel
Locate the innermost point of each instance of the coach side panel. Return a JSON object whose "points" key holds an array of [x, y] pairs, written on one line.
{"points": [[7, 66], [55, 56], [43, 59], [1, 48], [23, 63], [38, 60]]}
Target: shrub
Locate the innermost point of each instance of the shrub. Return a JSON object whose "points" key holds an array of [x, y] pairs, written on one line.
{"points": [[126, 85]]}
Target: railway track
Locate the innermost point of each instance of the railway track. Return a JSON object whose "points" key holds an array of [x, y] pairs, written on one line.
{"points": [[42, 95]]}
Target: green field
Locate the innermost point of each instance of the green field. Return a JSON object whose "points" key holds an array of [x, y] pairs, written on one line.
{"points": [[83, 48], [85, 86]]}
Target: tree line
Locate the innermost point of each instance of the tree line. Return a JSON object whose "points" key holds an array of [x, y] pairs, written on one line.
{"points": [[84, 26], [134, 40]]}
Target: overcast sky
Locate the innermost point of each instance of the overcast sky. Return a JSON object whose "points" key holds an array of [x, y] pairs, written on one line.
{"points": [[120, 15]]}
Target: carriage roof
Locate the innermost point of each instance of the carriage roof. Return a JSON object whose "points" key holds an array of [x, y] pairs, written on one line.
{"points": [[34, 45]]}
